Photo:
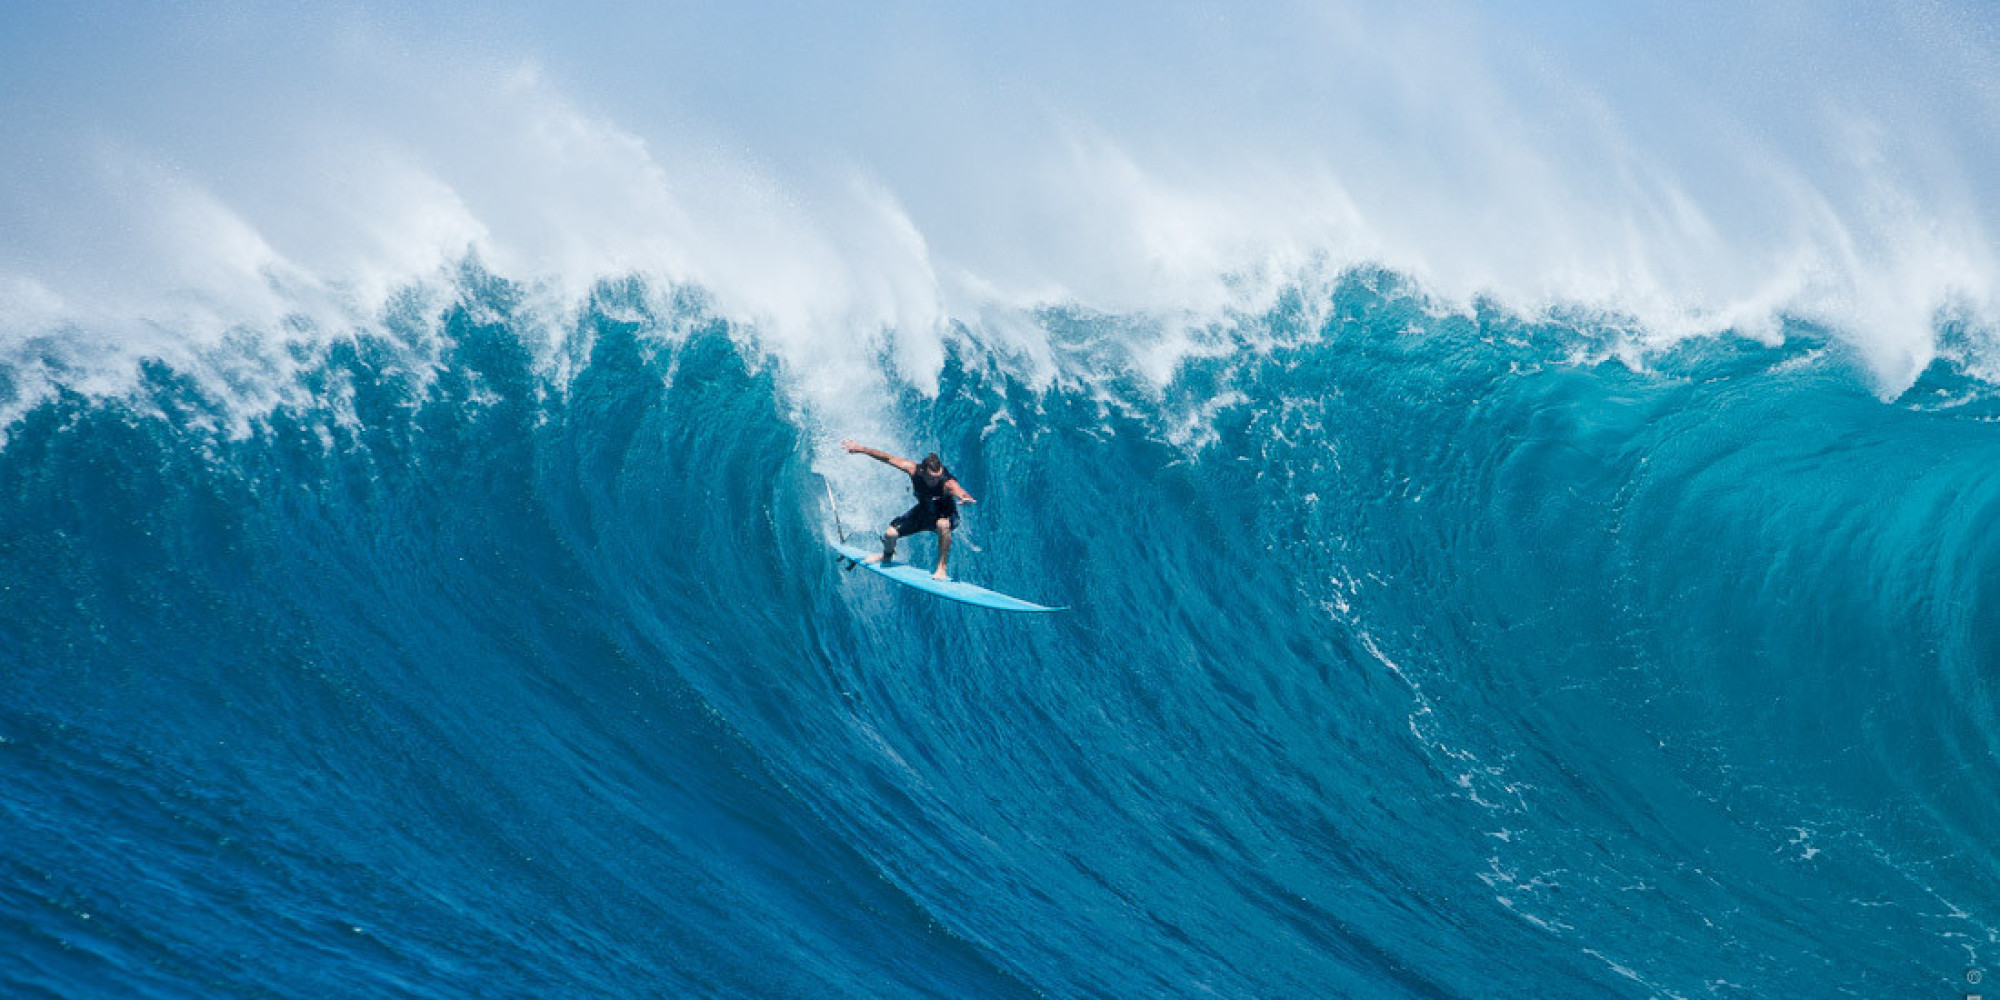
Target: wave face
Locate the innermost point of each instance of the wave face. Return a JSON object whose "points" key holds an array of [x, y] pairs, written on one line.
{"points": [[1413, 655]]}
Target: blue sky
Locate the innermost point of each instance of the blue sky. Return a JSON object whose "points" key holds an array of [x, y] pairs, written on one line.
{"points": [[798, 75]]}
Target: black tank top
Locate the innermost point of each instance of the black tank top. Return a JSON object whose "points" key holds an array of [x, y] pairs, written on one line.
{"points": [[929, 487]]}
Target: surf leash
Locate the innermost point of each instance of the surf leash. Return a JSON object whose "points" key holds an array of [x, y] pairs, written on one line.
{"points": [[835, 506]]}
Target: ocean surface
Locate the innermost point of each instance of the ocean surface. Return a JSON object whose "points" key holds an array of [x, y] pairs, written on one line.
{"points": [[1415, 652]]}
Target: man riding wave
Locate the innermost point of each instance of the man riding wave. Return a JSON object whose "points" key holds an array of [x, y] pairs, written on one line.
{"points": [[938, 497]]}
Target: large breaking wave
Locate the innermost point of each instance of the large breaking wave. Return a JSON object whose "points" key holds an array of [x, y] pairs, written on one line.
{"points": [[1417, 651]]}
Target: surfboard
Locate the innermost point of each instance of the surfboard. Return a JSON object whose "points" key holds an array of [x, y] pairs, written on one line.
{"points": [[951, 590]]}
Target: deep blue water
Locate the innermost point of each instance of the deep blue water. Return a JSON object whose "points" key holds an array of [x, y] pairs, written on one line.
{"points": [[1418, 655]]}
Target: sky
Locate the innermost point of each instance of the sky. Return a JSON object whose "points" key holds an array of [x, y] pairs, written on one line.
{"points": [[1690, 167]]}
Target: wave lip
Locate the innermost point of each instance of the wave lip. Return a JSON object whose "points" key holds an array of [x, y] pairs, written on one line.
{"points": [[1828, 173]]}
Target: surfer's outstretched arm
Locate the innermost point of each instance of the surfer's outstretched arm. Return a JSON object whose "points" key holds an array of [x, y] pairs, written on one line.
{"points": [[905, 465]]}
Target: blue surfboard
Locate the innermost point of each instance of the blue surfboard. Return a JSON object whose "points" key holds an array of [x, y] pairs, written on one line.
{"points": [[950, 590]]}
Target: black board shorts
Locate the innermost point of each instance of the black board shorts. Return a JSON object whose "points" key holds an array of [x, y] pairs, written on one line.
{"points": [[922, 518]]}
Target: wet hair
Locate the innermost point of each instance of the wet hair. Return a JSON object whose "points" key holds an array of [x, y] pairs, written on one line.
{"points": [[933, 463]]}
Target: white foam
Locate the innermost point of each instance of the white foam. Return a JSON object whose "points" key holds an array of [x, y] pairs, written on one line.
{"points": [[866, 195]]}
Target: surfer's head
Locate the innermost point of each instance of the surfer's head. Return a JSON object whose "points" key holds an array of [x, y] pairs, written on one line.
{"points": [[932, 463]]}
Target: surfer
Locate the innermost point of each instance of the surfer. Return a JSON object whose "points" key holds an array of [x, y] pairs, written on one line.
{"points": [[938, 497]]}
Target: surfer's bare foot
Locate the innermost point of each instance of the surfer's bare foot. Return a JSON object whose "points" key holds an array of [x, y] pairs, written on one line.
{"points": [[876, 558], [939, 575]]}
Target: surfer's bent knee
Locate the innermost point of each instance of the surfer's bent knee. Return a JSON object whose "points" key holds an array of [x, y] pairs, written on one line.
{"points": [[944, 526]]}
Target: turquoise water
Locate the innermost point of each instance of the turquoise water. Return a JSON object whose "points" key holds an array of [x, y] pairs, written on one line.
{"points": [[1413, 653]]}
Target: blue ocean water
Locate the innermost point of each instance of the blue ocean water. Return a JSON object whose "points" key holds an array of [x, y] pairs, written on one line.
{"points": [[1414, 653]]}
